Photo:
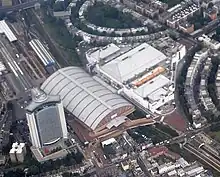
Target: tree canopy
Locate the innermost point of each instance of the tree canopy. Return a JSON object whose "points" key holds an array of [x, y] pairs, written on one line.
{"points": [[106, 16]]}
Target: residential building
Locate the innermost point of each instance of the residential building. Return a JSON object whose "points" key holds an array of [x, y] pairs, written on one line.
{"points": [[125, 165], [162, 165], [195, 68], [211, 13], [182, 15], [213, 44], [17, 152]]}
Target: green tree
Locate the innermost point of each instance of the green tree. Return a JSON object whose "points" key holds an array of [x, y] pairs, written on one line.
{"points": [[66, 174], [197, 25], [210, 5], [217, 30], [113, 34], [33, 170], [104, 33], [11, 17], [78, 157], [142, 32], [59, 6], [2, 15], [15, 173], [47, 166], [124, 34], [104, 15]]}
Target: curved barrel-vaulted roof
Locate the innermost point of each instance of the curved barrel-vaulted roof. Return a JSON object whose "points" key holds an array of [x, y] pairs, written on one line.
{"points": [[85, 97]]}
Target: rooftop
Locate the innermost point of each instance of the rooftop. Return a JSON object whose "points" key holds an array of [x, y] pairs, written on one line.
{"points": [[4, 28], [182, 13], [168, 46], [157, 150], [116, 122], [40, 98], [133, 62], [17, 148], [85, 97], [103, 53], [108, 142], [152, 86]]}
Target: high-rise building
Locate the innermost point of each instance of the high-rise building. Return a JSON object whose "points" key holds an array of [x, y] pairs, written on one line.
{"points": [[46, 119]]}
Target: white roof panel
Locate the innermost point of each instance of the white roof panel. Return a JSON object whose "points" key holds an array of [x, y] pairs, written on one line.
{"points": [[109, 141], [4, 28], [146, 89], [45, 57], [106, 51], [83, 96], [133, 62], [156, 95]]}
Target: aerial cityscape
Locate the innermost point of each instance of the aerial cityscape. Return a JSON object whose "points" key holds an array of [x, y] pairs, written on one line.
{"points": [[110, 88]]}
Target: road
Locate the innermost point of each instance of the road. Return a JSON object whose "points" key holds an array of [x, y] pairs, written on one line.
{"points": [[187, 135], [3, 119], [208, 28]]}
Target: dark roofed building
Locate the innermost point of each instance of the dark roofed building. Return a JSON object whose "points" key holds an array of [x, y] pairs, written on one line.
{"points": [[46, 119]]}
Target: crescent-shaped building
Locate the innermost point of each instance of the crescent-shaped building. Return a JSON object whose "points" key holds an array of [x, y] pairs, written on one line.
{"points": [[93, 102]]}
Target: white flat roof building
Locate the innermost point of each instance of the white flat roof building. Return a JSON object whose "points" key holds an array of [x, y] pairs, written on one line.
{"points": [[176, 7], [156, 95], [17, 152], [209, 42], [4, 28], [133, 62], [64, 13], [108, 142], [152, 86], [102, 53]]}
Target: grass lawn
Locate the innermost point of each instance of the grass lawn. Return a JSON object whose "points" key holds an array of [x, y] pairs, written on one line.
{"points": [[215, 135], [104, 15]]}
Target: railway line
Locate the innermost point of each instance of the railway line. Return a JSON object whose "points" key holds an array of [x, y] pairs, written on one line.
{"points": [[202, 147], [211, 153], [204, 157], [15, 68], [36, 68]]}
